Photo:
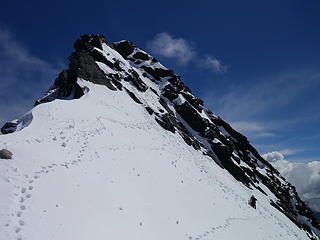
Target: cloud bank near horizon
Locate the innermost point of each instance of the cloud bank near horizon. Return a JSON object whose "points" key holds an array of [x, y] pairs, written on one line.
{"points": [[305, 176]]}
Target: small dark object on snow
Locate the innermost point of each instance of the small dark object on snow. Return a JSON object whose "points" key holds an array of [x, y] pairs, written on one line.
{"points": [[5, 154], [252, 202]]}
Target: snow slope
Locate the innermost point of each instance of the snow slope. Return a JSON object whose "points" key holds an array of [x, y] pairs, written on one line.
{"points": [[101, 167], [90, 169]]}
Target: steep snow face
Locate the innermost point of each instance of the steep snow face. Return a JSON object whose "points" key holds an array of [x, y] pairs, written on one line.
{"points": [[134, 155], [101, 167]]}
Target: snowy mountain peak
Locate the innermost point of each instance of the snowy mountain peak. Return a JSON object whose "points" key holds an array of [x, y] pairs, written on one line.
{"points": [[126, 113]]}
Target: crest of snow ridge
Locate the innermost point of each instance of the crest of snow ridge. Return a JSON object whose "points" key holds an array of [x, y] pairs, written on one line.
{"points": [[179, 111]]}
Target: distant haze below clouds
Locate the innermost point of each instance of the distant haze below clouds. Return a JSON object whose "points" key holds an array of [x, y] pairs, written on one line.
{"points": [[305, 176]]}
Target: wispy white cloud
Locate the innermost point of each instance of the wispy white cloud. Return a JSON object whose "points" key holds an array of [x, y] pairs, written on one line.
{"points": [[266, 134], [24, 77], [252, 128], [214, 64], [182, 50], [280, 154], [305, 176], [248, 126], [290, 151], [273, 156], [164, 44], [12, 49]]}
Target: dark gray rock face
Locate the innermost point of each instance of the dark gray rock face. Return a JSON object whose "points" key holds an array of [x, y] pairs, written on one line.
{"points": [[192, 117], [12, 126], [84, 66], [83, 62], [141, 56], [64, 86], [88, 41], [134, 78], [133, 96], [5, 154], [9, 127], [125, 48]]}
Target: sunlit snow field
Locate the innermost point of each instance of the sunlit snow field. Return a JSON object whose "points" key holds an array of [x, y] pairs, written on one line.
{"points": [[100, 167]]}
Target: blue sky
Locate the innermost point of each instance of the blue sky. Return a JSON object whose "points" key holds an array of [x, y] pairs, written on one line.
{"points": [[255, 63]]}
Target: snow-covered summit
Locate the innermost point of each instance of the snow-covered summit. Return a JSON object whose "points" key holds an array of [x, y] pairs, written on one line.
{"points": [[120, 148]]}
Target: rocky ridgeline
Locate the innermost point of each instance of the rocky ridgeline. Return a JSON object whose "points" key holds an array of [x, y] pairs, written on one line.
{"points": [[180, 112]]}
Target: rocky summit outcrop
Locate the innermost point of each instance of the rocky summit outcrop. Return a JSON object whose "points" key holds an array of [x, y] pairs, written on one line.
{"points": [[179, 111]]}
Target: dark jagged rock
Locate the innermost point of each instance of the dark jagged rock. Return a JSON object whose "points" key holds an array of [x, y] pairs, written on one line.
{"points": [[134, 97], [170, 123], [98, 56], [83, 66], [178, 84], [64, 86], [88, 41], [279, 205], [192, 117], [141, 55], [17, 124], [136, 81], [83, 62], [194, 101], [9, 127], [154, 91], [169, 92], [149, 110], [225, 156], [165, 122], [115, 79], [158, 73], [165, 106], [164, 72], [117, 65], [125, 48], [5, 154], [151, 72]]}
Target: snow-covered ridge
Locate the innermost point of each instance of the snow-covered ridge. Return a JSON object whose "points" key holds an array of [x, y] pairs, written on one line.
{"points": [[128, 117]]}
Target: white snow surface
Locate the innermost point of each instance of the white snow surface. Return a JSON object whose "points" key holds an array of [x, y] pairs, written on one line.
{"points": [[100, 167]]}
